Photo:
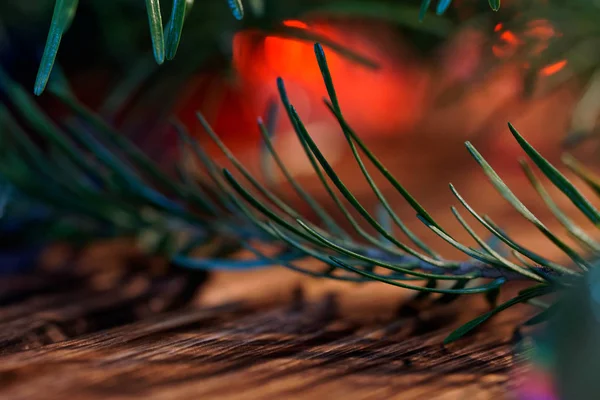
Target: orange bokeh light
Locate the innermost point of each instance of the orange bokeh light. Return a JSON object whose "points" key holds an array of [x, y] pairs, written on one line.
{"points": [[293, 23], [553, 68], [259, 59]]}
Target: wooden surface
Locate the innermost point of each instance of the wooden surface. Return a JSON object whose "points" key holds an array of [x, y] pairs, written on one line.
{"points": [[125, 334]]}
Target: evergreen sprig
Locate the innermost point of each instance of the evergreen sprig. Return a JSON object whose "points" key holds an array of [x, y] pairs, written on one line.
{"points": [[120, 191], [97, 183]]}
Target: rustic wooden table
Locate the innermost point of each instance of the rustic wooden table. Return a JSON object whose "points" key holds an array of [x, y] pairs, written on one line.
{"points": [[253, 335]]}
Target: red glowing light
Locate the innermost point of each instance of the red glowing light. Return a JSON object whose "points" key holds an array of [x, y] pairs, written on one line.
{"points": [[510, 38], [552, 69], [292, 23]]}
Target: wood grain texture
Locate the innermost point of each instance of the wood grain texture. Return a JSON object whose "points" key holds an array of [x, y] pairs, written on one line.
{"points": [[252, 335]]}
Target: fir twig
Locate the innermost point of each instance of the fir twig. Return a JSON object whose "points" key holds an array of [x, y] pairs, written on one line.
{"points": [[122, 189]]}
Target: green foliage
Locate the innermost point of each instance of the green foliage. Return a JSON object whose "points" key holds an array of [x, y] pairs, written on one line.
{"points": [[132, 188], [64, 11], [103, 185], [522, 297], [175, 26], [207, 18]]}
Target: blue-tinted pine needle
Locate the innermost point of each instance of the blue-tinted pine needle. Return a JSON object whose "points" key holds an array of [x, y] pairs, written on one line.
{"points": [[237, 8], [442, 6], [174, 27], [64, 11], [228, 264], [423, 10]]}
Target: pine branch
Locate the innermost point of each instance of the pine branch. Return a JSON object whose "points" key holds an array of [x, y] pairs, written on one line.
{"points": [[120, 191], [131, 195]]}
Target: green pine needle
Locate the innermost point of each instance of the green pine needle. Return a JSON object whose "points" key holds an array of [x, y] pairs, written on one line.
{"points": [[64, 12], [524, 211], [558, 179], [174, 27], [156, 29], [123, 188], [524, 296], [425, 4]]}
